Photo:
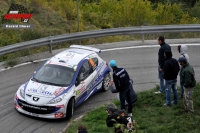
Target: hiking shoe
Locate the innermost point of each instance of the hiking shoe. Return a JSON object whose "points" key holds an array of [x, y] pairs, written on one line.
{"points": [[180, 97], [173, 103], [130, 114], [157, 92], [192, 111], [166, 104]]}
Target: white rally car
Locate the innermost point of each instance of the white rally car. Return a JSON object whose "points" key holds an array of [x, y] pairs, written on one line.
{"points": [[63, 82]]}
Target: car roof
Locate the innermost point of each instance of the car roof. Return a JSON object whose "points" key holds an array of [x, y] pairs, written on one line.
{"points": [[69, 57]]}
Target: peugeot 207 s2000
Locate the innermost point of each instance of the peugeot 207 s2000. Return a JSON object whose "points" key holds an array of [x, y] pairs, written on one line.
{"points": [[63, 82]]}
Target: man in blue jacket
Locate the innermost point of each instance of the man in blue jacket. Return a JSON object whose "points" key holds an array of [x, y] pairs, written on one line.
{"points": [[161, 60], [123, 86]]}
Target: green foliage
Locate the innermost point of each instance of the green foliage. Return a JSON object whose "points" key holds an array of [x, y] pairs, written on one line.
{"points": [[54, 17], [27, 35], [115, 13], [188, 3], [195, 11]]}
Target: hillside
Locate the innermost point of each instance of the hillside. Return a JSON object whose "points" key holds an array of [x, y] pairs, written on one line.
{"points": [[54, 17]]}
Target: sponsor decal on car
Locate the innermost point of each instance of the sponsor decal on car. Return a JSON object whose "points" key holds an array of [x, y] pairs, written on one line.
{"points": [[80, 90], [69, 55], [58, 91], [42, 92], [43, 87], [98, 79], [99, 66], [60, 106], [32, 106]]}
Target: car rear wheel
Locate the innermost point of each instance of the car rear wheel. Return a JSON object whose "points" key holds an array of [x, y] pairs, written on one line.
{"points": [[70, 108], [106, 82]]}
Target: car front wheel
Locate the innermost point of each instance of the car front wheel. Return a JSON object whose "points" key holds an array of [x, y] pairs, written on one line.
{"points": [[106, 82], [70, 108]]}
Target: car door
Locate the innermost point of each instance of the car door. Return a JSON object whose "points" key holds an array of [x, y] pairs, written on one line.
{"points": [[84, 80]]}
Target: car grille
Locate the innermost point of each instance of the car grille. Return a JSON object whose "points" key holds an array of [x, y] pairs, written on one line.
{"points": [[36, 109]]}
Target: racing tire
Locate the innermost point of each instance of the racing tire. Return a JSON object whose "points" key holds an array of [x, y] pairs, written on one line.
{"points": [[70, 109], [106, 82]]}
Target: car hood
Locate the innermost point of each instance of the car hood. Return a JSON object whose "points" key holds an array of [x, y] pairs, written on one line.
{"points": [[39, 93]]}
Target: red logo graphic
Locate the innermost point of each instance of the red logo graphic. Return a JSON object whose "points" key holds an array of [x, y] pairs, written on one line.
{"points": [[60, 106], [24, 17], [58, 91], [17, 11]]}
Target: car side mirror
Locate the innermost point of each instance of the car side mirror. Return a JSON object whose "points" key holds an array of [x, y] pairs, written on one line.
{"points": [[77, 82]]}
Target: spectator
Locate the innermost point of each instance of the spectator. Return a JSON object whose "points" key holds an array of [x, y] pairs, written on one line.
{"points": [[123, 86], [171, 69], [182, 49], [82, 129], [189, 82], [117, 117], [161, 60], [133, 95]]}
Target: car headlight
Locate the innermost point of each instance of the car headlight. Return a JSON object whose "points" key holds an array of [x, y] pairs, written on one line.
{"points": [[22, 93], [57, 100]]}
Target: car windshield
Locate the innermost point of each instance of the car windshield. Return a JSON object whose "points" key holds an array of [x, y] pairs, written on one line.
{"points": [[54, 75]]}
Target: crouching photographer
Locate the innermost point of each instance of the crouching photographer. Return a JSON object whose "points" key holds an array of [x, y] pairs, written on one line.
{"points": [[118, 119]]}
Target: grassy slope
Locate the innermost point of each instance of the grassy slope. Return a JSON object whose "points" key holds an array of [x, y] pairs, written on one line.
{"points": [[150, 114]]}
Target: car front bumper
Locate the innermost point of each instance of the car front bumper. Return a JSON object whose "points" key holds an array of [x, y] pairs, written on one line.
{"points": [[58, 112]]}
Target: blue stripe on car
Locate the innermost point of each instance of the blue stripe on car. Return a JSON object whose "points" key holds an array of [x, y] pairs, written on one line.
{"points": [[56, 109], [25, 87]]}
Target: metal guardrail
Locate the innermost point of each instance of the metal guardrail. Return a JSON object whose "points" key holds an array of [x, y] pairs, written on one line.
{"points": [[99, 33]]}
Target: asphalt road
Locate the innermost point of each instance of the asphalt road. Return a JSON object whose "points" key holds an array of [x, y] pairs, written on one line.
{"points": [[141, 65]]}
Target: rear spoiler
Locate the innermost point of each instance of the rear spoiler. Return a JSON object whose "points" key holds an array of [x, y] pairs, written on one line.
{"points": [[86, 48]]}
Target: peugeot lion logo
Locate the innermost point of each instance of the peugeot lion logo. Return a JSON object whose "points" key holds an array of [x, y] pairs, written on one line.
{"points": [[35, 98]]}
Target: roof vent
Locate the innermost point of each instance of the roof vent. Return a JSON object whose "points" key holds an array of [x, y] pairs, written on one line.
{"points": [[86, 48], [62, 61]]}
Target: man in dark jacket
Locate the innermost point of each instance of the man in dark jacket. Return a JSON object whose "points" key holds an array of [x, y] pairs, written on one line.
{"points": [[161, 60], [123, 86], [189, 82], [182, 49], [116, 117], [171, 69], [82, 129]]}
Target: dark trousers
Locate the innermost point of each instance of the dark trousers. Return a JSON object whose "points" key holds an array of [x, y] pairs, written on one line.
{"points": [[126, 95]]}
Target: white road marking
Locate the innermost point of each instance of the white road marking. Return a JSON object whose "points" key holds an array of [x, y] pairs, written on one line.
{"points": [[76, 119], [146, 46], [23, 64], [104, 50]]}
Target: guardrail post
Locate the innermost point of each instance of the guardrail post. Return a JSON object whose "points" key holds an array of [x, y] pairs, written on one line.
{"points": [[142, 34], [142, 37], [50, 45]]}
